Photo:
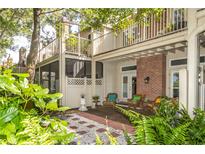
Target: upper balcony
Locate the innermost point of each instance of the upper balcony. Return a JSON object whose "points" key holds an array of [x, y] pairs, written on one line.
{"points": [[72, 44], [170, 21]]}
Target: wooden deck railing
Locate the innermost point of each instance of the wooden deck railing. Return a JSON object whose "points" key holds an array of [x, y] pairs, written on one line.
{"points": [[170, 21]]}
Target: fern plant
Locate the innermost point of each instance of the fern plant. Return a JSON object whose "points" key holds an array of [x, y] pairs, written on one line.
{"points": [[170, 125], [197, 128]]}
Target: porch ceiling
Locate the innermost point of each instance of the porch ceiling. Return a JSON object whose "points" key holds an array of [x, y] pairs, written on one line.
{"points": [[173, 48]]}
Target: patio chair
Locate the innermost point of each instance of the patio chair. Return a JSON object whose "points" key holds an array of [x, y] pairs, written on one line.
{"points": [[110, 100], [137, 101], [152, 104]]}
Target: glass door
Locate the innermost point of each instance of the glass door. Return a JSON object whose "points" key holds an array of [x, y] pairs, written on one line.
{"points": [[125, 87], [134, 85], [128, 85], [175, 84]]}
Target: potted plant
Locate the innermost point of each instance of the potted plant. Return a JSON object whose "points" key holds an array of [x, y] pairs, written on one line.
{"points": [[95, 101], [82, 103]]}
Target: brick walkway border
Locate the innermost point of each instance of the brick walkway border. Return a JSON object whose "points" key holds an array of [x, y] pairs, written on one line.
{"points": [[110, 123]]}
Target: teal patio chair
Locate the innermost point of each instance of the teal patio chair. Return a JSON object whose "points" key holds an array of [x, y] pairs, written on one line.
{"points": [[111, 99]]}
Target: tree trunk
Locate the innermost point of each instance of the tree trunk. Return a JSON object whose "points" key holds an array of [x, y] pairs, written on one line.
{"points": [[33, 54]]}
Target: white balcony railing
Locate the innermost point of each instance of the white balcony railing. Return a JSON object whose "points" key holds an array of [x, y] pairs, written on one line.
{"points": [[78, 45], [73, 44], [170, 21], [48, 51]]}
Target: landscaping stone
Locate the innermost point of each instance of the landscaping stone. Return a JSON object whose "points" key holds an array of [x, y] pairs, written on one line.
{"points": [[115, 134], [87, 129], [91, 126], [82, 122], [75, 119], [82, 132], [101, 130], [73, 127]]}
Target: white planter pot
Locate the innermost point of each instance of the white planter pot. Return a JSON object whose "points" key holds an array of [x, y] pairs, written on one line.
{"points": [[82, 105], [93, 106], [100, 103]]}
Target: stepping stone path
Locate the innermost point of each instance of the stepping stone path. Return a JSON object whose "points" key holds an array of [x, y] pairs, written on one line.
{"points": [[87, 129]]}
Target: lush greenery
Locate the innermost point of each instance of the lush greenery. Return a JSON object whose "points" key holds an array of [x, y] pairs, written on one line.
{"points": [[23, 113], [170, 125]]}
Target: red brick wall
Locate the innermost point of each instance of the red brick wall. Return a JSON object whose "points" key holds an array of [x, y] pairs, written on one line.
{"points": [[155, 68]]}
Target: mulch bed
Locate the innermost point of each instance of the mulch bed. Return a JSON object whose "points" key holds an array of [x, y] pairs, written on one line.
{"points": [[109, 113]]}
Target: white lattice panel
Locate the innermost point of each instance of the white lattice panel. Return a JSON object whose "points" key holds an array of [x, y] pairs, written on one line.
{"points": [[98, 82], [89, 82], [72, 81], [75, 87]]}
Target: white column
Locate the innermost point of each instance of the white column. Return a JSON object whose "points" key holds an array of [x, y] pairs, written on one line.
{"points": [[62, 76], [183, 88], [193, 63], [60, 69], [93, 77]]}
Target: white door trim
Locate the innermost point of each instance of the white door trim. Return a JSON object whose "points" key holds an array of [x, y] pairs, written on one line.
{"points": [[129, 75]]}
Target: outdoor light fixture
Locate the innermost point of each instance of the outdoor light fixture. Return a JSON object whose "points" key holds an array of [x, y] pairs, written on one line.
{"points": [[146, 80]]}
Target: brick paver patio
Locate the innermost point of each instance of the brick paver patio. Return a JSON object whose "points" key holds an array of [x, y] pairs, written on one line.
{"points": [[86, 126]]}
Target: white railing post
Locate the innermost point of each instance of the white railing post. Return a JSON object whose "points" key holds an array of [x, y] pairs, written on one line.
{"points": [[79, 43]]}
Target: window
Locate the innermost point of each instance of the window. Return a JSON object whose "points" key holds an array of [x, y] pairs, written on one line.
{"points": [[129, 68], [80, 68], [50, 76], [202, 59], [179, 62], [88, 69], [179, 18], [89, 36], [175, 85], [54, 77], [45, 76], [125, 86], [36, 78], [75, 68], [99, 70], [184, 61]]}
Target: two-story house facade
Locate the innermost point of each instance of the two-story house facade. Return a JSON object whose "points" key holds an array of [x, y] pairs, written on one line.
{"points": [[164, 57]]}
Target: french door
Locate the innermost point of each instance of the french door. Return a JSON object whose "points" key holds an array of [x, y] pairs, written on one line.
{"points": [[179, 86], [128, 85], [175, 84]]}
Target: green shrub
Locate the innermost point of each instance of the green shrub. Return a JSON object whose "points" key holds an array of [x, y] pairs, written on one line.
{"points": [[23, 109], [170, 125], [197, 128]]}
